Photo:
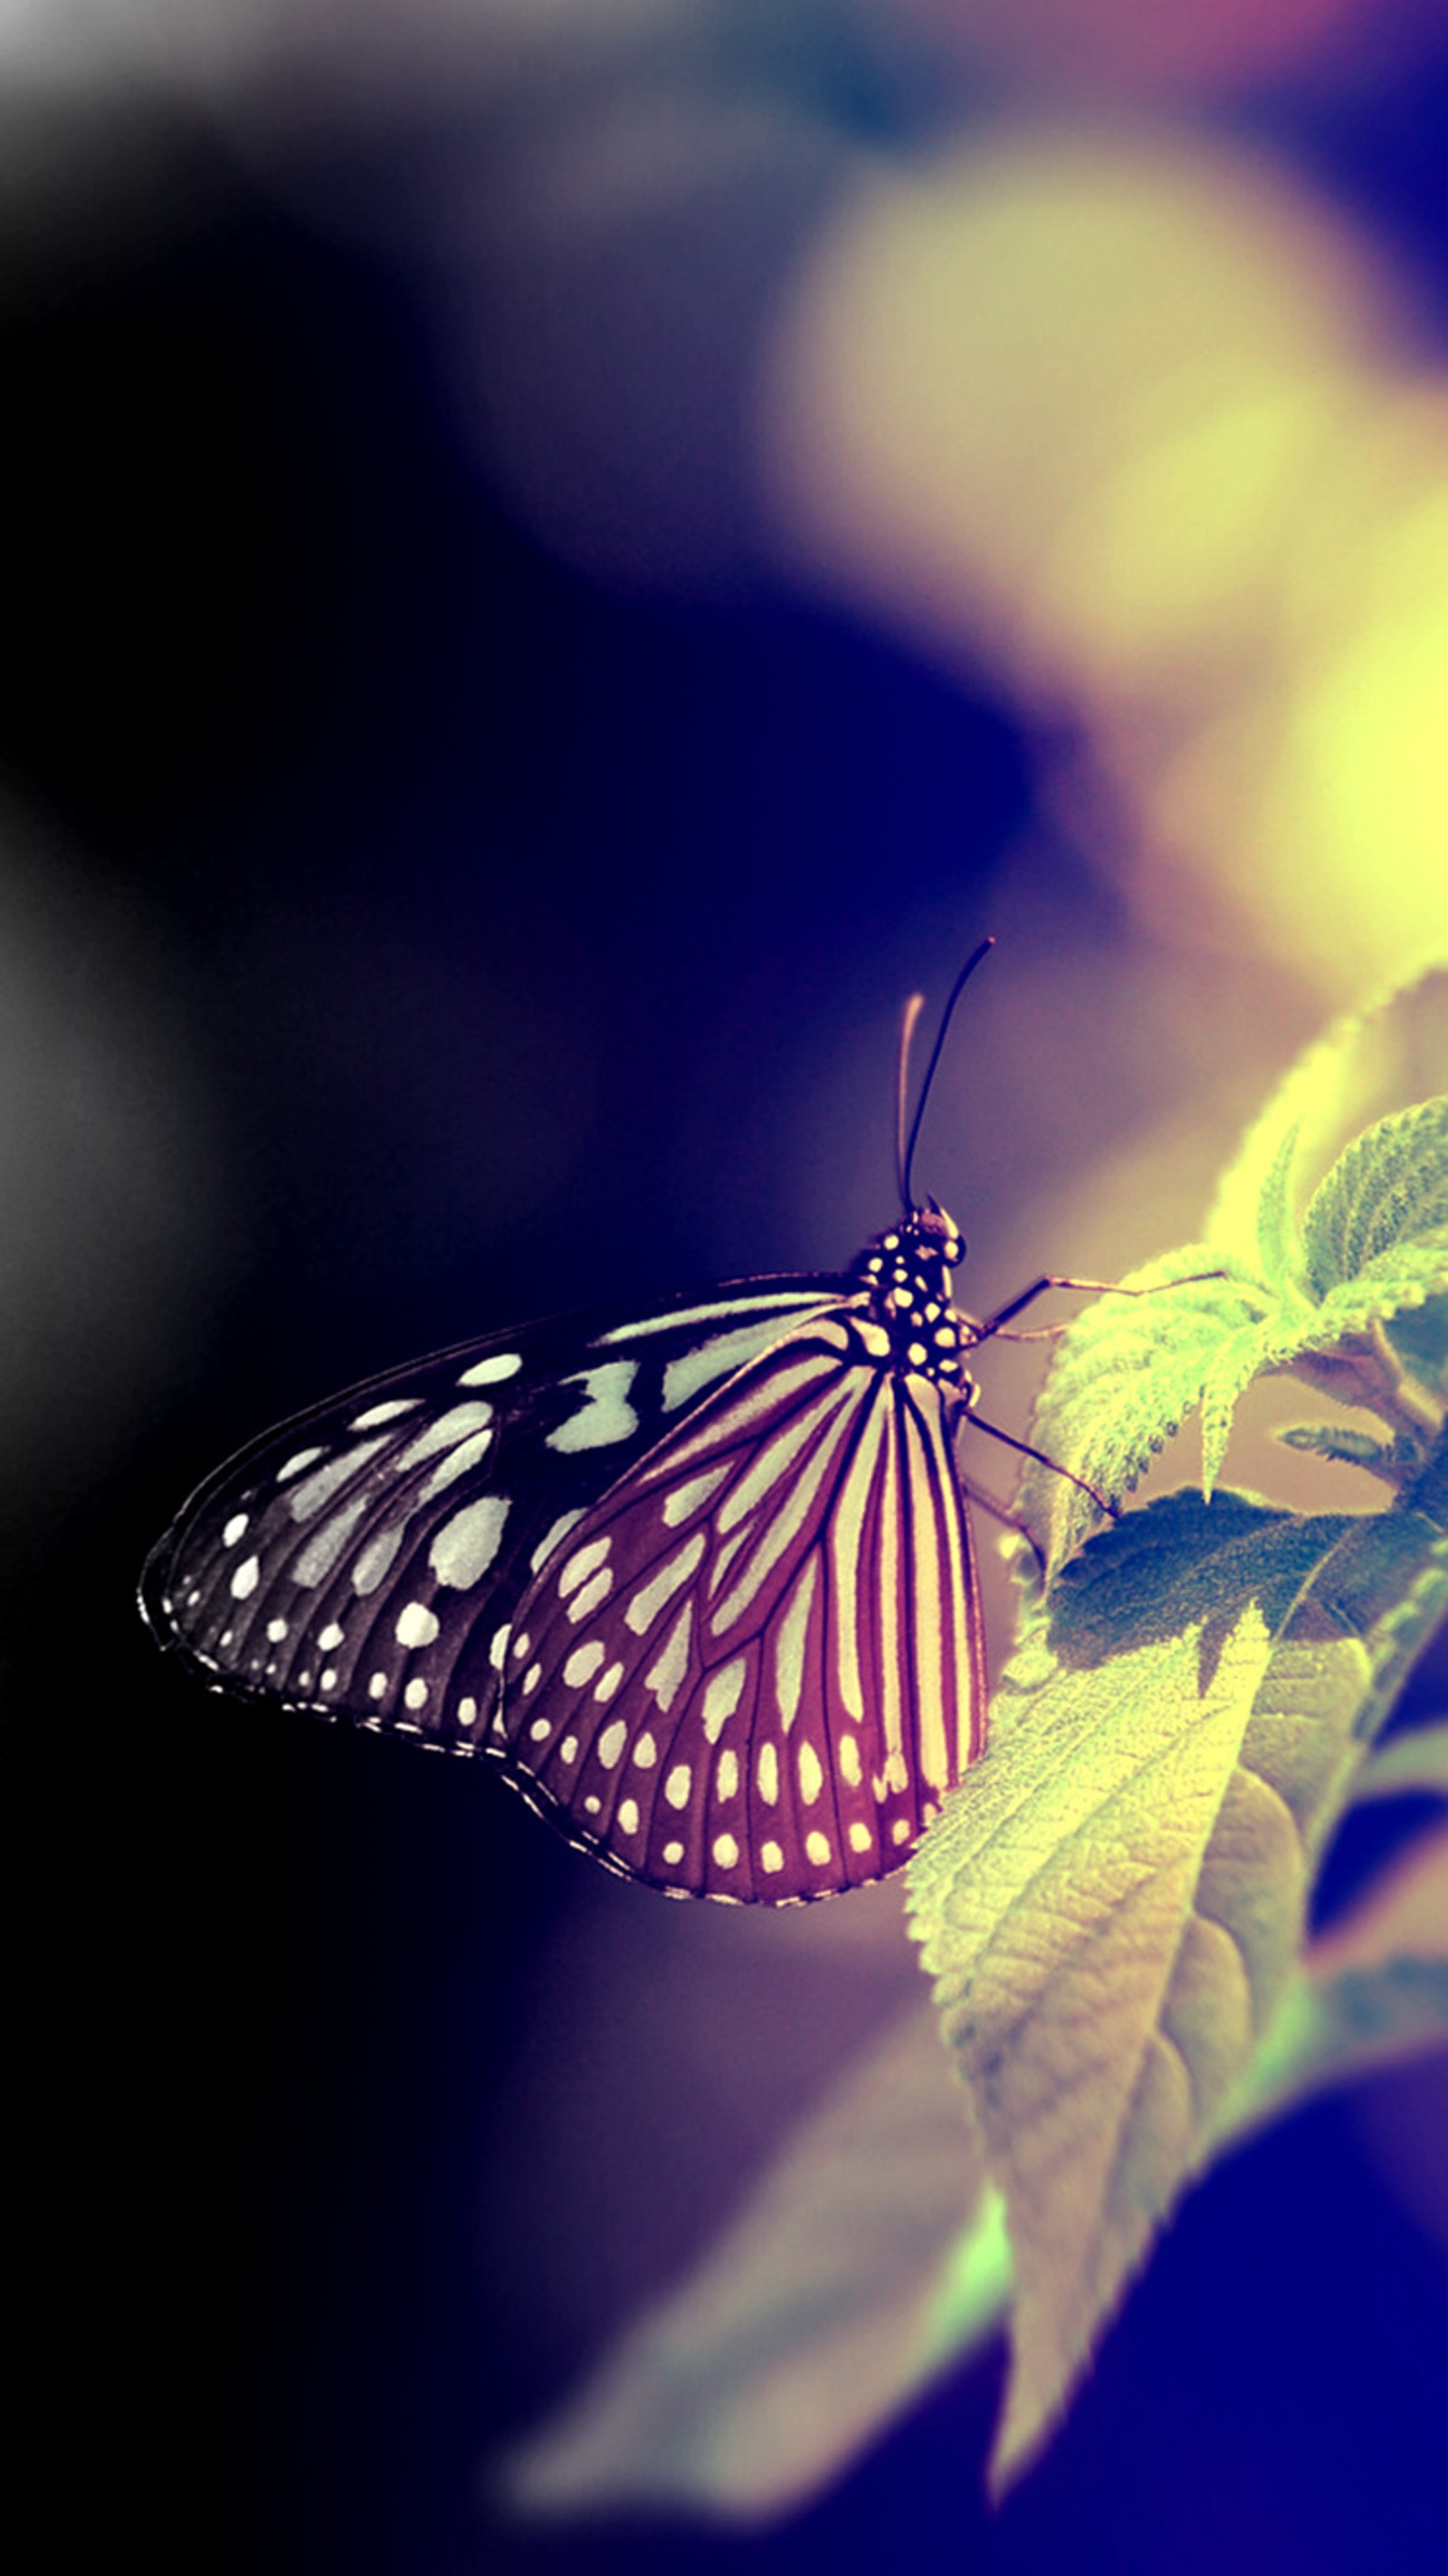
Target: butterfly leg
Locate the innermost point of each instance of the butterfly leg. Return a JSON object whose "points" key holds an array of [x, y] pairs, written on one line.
{"points": [[994, 1326], [1102, 1501]]}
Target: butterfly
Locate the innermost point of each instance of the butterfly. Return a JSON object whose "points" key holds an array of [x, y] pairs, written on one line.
{"points": [[701, 1580]]}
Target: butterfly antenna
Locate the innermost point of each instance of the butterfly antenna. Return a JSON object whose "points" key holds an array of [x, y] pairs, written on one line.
{"points": [[913, 1009], [957, 988]]}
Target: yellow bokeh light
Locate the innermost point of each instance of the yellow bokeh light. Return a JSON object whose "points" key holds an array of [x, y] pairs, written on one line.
{"points": [[1134, 421]]}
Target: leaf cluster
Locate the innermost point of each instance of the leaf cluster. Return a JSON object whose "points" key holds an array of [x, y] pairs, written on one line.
{"points": [[1114, 1907], [1345, 1288]]}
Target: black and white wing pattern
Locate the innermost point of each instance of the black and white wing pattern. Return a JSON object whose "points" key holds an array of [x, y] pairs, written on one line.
{"points": [[755, 1670], [701, 1580]]}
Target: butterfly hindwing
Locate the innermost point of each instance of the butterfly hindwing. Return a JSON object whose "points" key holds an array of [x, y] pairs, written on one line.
{"points": [[755, 1667], [361, 1560]]}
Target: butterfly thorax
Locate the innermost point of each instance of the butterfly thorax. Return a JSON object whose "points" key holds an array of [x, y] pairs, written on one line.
{"points": [[907, 1271]]}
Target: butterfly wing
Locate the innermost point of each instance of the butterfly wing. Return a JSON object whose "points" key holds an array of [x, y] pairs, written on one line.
{"points": [[362, 1560], [755, 1666]]}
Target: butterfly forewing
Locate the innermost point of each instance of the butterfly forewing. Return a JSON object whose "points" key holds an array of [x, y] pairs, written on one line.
{"points": [[364, 1560], [753, 1670]]}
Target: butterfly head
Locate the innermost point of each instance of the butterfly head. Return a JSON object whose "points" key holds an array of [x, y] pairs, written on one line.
{"points": [[907, 1271], [935, 1232]]}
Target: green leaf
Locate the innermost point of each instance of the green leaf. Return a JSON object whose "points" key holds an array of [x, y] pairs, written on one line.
{"points": [[1127, 1372], [1113, 1905], [1369, 1061], [1419, 1337], [1241, 1357], [1413, 1764], [1276, 1231], [1387, 1192], [1406, 1276], [1348, 1447], [1373, 1249], [1371, 1992], [867, 2257]]}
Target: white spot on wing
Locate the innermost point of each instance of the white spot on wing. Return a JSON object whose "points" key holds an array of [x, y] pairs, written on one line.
{"points": [[611, 1743], [492, 1370], [416, 1625], [552, 1538], [800, 1300], [460, 1422], [628, 1815], [766, 1772], [416, 1692], [654, 1596], [726, 1775], [859, 1835], [811, 1776], [457, 1463], [580, 1566], [792, 1510], [772, 1857], [698, 1368], [790, 1643], [687, 1499], [646, 1751], [392, 1411], [850, 1759], [584, 1662], [375, 1562], [673, 1853], [309, 1497], [606, 1415], [726, 1850], [246, 1578], [234, 1529], [777, 1455], [668, 1673], [328, 1543], [465, 1546], [761, 1395], [722, 1695], [817, 1848], [293, 1466], [593, 1592], [678, 1784]]}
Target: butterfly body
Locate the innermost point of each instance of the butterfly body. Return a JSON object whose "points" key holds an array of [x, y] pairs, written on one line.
{"points": [[701, 1581]]}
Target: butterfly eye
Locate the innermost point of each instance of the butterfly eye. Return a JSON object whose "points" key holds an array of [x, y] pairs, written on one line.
{"points": [[935, 1227]]}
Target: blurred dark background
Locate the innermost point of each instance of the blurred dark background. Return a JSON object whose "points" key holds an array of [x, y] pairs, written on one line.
{"points": [[453, 872]]}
